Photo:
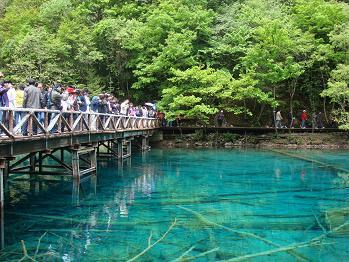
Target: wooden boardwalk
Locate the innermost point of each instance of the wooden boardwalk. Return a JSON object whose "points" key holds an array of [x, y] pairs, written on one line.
{"points": [[71, 141]]}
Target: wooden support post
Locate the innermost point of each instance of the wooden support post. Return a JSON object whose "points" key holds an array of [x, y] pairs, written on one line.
{"points": [[94, 185], [6, 170], [120, 148], [40, 162], [145, 143], [2, 200], [129, 148], [62, 155], [93, 159], [75, 164], [32, 162], [76, 192]]}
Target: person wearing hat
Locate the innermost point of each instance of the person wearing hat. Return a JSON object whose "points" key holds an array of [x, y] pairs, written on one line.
{"points": [[304, 118], [72, 99]]}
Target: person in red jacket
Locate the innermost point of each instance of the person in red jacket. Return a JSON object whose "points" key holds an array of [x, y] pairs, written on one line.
{"points": [[304, 118]]}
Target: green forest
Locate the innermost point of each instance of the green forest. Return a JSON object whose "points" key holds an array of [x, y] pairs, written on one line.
{"points": [[193, 57]]}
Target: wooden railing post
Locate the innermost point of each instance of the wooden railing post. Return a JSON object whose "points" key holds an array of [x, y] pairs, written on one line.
{"points": [[30, 124]]}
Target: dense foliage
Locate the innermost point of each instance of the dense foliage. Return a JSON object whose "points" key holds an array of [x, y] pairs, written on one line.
{"points": [[195, 57]]}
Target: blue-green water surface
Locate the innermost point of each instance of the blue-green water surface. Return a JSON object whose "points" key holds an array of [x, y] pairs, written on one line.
{"points": [[202, 205]]}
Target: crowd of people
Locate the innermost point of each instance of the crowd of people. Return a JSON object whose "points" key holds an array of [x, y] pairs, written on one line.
{"points": [[303, 122], [37, 96]]}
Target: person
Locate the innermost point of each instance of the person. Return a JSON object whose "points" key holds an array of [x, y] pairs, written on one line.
{"points": [[94, 103], [11, 95], [179, 120], [19, 102], [64, 100], [151, 113], [161, 117], [55, 98], [55, 103], [138, 111], [103, 104], [3, 91], [124, 107], [319, 120], [131, 110], [32, 96], [87, 100], [304, 118], [31, 100], [71, 100], [43, 102], [278, 119], [144, 111], [3, 94], [220, 118], [290, 120]]}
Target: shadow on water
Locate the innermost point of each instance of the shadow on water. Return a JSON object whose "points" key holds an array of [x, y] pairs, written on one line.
{"points": [[204, 205]]}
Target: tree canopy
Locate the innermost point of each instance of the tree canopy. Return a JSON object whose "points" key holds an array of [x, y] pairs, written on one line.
{"points": [[193, 57]]}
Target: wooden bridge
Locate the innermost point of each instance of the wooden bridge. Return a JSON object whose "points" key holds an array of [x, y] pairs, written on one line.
{"points": [[50, 142]]}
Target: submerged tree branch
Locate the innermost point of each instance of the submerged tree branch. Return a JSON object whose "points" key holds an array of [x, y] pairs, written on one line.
{"points": [[156, 242], [239, 232]]}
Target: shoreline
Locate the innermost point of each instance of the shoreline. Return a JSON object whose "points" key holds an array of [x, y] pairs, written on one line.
{"points": [[334, 141]]}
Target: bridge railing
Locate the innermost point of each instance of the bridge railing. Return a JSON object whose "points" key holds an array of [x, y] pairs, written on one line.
{"points": [[23, 122]]}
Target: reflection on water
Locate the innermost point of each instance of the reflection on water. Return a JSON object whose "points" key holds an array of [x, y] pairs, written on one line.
{"points": [[226, 203]]}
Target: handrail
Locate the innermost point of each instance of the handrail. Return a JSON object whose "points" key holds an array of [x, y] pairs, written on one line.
{"points": [[27, 122]]}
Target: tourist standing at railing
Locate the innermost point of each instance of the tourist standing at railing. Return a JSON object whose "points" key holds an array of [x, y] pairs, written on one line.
{"points": [[31, 100], [94, 104], [151, 113], [124, 107], [19, 103], [70, 99], [87, 100], [43, 102], [32, 96], [131, 110], [103, 104], [55, 102], [55, 98], [4, 101], [64, 100], [11, 95], [138, 111], [116, 106], [3, 94], [144, 111]]}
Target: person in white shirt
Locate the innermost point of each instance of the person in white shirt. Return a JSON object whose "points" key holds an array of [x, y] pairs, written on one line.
{"points": [[11, 94], [124, 107], [87, 99]]}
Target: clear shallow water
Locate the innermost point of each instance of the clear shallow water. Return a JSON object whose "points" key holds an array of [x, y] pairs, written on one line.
{"points": [[226, 204]]}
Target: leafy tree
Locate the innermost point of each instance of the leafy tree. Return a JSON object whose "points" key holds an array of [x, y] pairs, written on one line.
{"points": [[338, 92], [199, 93]]}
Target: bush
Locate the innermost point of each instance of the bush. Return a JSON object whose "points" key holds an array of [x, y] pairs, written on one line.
{"points": [[229, 137]]}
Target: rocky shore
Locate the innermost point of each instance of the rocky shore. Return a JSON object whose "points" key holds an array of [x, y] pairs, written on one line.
{"points": [[230, 140]]}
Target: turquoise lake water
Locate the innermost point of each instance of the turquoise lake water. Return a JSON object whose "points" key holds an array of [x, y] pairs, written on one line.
{"points": [[201, 205]]}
